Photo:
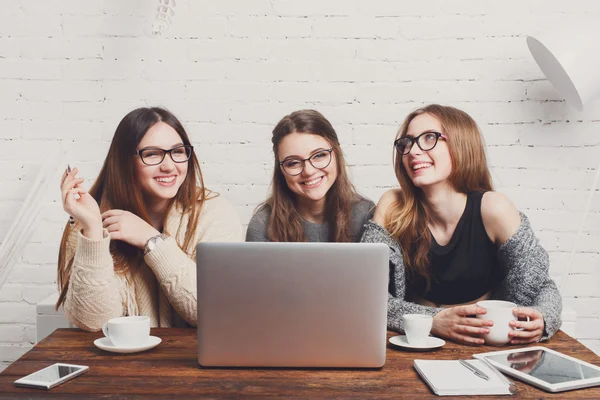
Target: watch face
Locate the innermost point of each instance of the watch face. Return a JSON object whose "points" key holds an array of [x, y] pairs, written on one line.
{"points": [[155, 240], [152, 242]]}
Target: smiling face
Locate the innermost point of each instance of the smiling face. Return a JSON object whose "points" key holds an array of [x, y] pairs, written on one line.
{"points": [[312, 184], [427, 168], [161, 182]]}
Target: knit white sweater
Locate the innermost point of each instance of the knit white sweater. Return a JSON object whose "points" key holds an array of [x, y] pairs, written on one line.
{"points": [[164, 286]]}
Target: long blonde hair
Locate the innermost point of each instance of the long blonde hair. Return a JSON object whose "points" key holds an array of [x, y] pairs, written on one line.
{"points": [[117, 187], [285, 222], [407, 219]]}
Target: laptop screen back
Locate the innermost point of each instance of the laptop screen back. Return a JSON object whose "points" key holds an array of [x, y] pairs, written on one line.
{"points": [[292, 304]]}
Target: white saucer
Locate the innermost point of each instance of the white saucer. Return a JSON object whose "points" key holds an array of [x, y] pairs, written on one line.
{"points": [[432, 343], [105, 344]]}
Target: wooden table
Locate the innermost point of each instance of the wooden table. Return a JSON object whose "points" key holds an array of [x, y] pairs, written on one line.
{"points": [[171, 371]]}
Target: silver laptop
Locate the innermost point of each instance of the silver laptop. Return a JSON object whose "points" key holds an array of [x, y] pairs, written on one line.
{"points": [[292, 304]]}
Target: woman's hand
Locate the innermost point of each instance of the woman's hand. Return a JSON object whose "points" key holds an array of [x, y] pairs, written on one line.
{"points": [[128, 227], [530, 331], [81, 205], [460, 324]]}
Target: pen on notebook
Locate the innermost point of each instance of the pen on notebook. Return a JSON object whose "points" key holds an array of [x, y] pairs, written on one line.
{"points": [[511, 386], [475, 370]]}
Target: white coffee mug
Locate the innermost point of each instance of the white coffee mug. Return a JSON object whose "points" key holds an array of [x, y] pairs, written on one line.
{"points": [[501, 313], [127, 331], [417, 328]]}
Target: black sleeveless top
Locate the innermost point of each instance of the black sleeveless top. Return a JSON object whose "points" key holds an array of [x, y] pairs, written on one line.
{"points": [[467, 267]]}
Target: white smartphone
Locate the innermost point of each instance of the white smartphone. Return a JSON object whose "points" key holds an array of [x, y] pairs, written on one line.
{"points": [[51, 376]]}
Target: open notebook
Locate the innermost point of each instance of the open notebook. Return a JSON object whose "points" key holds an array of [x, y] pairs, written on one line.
{"points": [[450, 378]]}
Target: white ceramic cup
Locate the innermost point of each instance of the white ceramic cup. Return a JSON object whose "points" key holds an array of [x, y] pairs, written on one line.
{"points": [[501, 312], [417, 328], [127, 331]]}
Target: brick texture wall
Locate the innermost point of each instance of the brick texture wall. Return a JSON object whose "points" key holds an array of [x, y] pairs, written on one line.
{"points": [[230, 69]]}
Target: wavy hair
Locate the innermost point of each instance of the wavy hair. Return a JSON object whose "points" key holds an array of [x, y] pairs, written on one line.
{"points": [[285, 222], [407, 219], [117, 187]]}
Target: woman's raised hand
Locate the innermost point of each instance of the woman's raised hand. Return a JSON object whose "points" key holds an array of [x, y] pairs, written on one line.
{"points": [[81, 205]]}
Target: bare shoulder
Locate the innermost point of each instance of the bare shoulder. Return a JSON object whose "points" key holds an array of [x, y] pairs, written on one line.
{"points": [[383, 206], [501, 218], [389, 197]]}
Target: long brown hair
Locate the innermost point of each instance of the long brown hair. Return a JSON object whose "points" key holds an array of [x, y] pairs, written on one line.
{"points": [[407, 218], [285, 222], [117, 187]]}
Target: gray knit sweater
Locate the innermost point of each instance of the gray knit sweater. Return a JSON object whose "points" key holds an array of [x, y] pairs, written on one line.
{"points": [[526, 283]]}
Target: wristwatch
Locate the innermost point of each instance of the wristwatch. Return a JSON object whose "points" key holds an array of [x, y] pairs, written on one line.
{"points": [[153, 242]]}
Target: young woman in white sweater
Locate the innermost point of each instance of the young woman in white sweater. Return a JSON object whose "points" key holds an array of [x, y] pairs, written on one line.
{"points": [[131, 247]]}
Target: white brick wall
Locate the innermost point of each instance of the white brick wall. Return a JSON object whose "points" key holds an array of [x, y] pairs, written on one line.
{"points": [[71, 69]]}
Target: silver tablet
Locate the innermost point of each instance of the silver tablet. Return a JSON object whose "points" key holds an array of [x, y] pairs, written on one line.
{"points": [[544, 368]]}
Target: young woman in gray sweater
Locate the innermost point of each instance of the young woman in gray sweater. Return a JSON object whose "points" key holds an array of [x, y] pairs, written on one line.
{"points": [[312, 198], [453, 241]]}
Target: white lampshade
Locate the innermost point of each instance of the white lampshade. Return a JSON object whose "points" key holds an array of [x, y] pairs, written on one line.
{"points": [[569, 56]]}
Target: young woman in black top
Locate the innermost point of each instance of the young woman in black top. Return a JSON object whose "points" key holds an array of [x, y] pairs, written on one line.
{"points": [[453, 240]]}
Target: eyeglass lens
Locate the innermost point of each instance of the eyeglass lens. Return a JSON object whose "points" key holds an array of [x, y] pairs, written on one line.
{"points": [[426, 141], [320, 160], [156, 156]]}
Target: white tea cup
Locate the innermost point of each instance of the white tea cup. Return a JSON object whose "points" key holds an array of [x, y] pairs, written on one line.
{"points": [[417, 328], [127, 331], [501, 313]]}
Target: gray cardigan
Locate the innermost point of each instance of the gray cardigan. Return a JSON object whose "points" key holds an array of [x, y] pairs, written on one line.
{"points": [[526, 283]]}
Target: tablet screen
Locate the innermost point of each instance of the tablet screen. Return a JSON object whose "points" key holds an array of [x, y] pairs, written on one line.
{"points": [[546, 366]]}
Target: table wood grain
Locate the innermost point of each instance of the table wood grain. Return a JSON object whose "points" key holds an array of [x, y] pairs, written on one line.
{"points": [[171, 370]]}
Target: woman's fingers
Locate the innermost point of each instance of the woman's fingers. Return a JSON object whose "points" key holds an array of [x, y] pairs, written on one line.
{"points": [[73, 194], [106, 222], [524, 312], [114, 233], [112, 213], [524, 334], [64, 176], [472, 330], [480, 322], [471, 309], [527, 325], [70, 184], [466, 339], [69, 176]]}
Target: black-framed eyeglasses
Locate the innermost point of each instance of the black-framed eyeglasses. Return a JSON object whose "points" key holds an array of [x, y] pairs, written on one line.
{"points": [[294, 166], [426, 141], [154, 155]]}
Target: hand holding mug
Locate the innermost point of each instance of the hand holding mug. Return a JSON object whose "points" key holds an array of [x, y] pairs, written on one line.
{"points": [[459, 324], [527, 331], [505, 315]]}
